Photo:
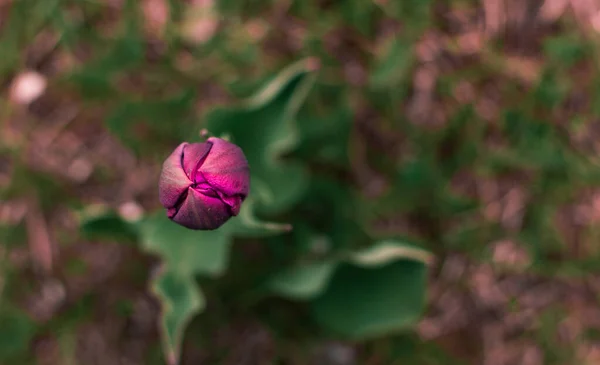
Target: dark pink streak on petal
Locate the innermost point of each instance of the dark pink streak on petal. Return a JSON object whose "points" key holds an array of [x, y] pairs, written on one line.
{"points": [[193, 157], [234, 202], [173, 182], [226, 168], [206, 189], [199, 211]]}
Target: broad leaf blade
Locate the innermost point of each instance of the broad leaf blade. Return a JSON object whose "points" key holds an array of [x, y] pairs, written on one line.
{"points": [[363, 303], [181, 300], [186, 251], [264, 127], [378, 291], [303, 281]]}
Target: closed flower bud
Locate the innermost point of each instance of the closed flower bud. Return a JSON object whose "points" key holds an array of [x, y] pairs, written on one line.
{"points": [[202, 185]]}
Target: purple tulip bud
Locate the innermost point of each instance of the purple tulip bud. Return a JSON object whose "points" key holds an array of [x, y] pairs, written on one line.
{"points": [[202, 185]]}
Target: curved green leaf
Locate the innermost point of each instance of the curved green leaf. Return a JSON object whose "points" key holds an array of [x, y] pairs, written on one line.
{"points": [[186, 251], [246, 224], [362, 303], [386, 252], [264, 127], [181, 300], [304, 281], [365, 294]]}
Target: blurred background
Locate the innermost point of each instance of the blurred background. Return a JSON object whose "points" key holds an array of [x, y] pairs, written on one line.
{"points": [[437, 159]]}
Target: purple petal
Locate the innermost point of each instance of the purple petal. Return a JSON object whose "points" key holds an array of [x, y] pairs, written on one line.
{"points": [[193, 156], [173, 181], [234, 202], [226, 168], [199, 211]]}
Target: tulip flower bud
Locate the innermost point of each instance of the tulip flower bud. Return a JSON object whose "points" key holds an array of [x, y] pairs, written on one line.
{"points": [[202, 185]]}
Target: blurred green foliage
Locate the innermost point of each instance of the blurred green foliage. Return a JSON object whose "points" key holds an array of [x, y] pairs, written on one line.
{"points": [[317, 94]]}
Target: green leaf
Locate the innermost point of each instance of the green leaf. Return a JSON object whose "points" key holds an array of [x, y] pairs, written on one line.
{"points": [[181, 300], [386, 252], [364, 302], [264, 127], [364, 294], [186, 251], [303, 281], [247, 224]]}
